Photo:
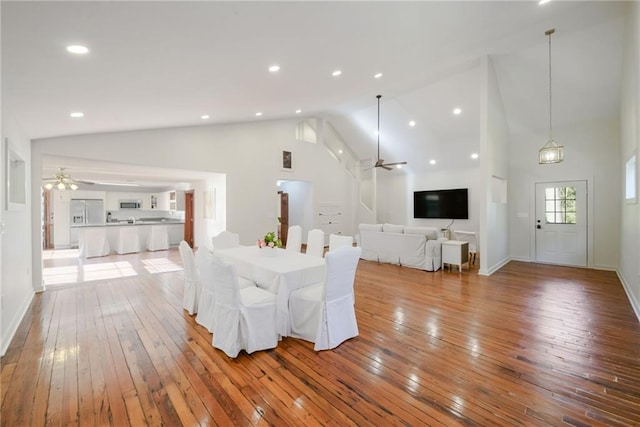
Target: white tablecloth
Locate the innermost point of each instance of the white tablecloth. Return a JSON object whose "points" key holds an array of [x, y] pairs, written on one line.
{"points": [[280, 274]]}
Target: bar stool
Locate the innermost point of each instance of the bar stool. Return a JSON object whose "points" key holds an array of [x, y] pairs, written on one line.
{"points": [[128, 240], [158, 238], [93, 242]]}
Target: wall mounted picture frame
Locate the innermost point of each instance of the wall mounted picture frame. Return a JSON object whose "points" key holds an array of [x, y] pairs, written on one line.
{"points": [[286, 160]]}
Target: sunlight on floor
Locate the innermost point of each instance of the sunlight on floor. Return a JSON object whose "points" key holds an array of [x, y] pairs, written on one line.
{"points": [[87, 273], [65, 267], [160, 265]]}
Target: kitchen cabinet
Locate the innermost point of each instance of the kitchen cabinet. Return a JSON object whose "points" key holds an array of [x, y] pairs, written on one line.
{"points": [[153, 201], [163, 201], [176, 234]]}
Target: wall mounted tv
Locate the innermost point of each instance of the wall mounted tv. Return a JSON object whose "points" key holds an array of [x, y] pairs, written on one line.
{"points": [[443, 204]]}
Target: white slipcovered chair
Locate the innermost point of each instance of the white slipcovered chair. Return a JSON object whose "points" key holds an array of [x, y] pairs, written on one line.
{"points": [[337, 241], [191, 279], [245, 319], [206, 299], [315, 243], [472, 239], [158, 238], [294, 238], [128, 240], [324, 313], [225, 240], [93, 242]]}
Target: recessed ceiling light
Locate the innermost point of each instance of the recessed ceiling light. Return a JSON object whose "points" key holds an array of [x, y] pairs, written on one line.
{"points": [[258, 114], [457, 111], [336, 73], [377, 76], [274, 68], [77, 114], [204, 117], [412, 123], [474, 156], [398, 166], [339, 151], [541, 2], [77, 49], [298, 111], [432, 162]]}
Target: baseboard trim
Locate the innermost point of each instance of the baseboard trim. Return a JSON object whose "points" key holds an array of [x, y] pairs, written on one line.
{"points": [[7, 337], [635, 304]]}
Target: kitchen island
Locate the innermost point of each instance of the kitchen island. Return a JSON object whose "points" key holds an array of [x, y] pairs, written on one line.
{"points": [[175, 230]]}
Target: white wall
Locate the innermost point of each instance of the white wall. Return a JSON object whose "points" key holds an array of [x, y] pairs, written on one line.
{"points": [[395, 196], [591, 152], [16, 286], [494, 149], [248, 153], [629, 271]]}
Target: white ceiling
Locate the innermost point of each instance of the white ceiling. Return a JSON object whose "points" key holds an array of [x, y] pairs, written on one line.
{"points": [[164, 64]]}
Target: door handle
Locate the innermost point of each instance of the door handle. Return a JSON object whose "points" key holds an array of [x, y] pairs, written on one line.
{"points": [[538, 226]]}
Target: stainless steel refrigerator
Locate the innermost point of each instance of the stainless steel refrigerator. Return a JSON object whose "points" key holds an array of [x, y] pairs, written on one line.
{"points": [[85, 212]]}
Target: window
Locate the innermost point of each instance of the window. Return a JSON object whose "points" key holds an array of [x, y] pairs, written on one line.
{"points": [[560, 205], [630, 191]]}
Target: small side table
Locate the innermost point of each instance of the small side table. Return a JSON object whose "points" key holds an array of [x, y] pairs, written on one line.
{"points": [[455, 252]]}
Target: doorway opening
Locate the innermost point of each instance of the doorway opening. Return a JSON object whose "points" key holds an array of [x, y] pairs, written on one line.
{"points": [[295, 207]]}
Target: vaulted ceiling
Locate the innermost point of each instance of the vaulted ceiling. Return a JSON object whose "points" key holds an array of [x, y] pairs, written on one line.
{"points": [[164, 64]]}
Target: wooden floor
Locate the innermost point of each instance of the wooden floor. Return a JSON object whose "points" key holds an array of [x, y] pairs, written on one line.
{"points": [[530, 345]]}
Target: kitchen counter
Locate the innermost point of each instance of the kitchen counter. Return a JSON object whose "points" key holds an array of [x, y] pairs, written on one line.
{"points": [[175, 229]]}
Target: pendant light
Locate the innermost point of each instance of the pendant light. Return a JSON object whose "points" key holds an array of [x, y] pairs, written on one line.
{"points": [[550, 152]]}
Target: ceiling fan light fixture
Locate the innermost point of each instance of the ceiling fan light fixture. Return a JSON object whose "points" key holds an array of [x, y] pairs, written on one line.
{"points": [[48, 186], [551, 152]]}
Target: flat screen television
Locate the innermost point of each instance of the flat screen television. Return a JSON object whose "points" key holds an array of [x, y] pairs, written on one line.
{"points": [[442, 204]]}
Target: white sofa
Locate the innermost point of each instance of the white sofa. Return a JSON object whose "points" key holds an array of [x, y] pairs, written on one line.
{"points": [[415, 247]]}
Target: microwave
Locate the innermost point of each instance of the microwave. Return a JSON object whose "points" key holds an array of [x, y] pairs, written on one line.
{"points": [[130, 204]]}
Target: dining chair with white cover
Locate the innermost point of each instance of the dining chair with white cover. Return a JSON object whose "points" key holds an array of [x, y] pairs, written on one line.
{"points": [[245, 319], [206, 299], [128, 240], [472, 239], [337, 241], [225, 240], [315, 243], [158, 238], [324, 313], [191, 279], [93, 242], [294, 238]]}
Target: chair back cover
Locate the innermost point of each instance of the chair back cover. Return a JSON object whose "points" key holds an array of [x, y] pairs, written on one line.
{"points": [[158, 238], [225, 240], [294, 238], [206, 300], [191, 279], [337, 241], [93, 242], [341, 272], [315, 243], [245, 318]]}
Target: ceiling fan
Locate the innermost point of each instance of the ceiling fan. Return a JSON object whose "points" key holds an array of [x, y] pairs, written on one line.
{"points": [[380, 162], [62, 181]]}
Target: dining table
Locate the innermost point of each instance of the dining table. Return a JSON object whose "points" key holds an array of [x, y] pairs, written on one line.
{"points": [[278, 271]]}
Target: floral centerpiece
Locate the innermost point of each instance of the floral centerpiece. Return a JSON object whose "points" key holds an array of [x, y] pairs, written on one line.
{"points": [[269, 241]]}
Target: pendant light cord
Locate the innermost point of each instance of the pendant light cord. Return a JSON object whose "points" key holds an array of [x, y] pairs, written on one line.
{"points": [[548, 33]]}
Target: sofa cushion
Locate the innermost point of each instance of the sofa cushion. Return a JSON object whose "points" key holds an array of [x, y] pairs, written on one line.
{"points": [[370, 227], [392, 228], [430, 232]]}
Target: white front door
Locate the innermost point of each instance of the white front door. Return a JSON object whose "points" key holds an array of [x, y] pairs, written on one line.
{"points": [[561, 223]]}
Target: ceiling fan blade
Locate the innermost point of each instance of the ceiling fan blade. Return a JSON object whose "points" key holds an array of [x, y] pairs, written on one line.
{"points": [[80, 181], [385, 167], [394, 163]]}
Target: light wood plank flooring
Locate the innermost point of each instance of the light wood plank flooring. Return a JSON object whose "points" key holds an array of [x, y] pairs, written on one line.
{"points": [[530, 345]]}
